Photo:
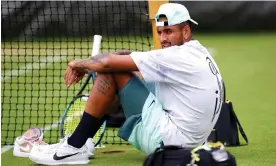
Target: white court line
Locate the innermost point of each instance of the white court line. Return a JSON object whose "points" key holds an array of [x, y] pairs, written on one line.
{"points": [[6, 148], [31, 66], [49, 127], [25, 70]]}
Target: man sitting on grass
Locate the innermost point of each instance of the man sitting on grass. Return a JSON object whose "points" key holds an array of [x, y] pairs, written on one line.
{"points": [[183, 111]]}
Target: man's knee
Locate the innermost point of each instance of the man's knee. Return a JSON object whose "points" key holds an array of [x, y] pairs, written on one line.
{"points": [[121, 79]]}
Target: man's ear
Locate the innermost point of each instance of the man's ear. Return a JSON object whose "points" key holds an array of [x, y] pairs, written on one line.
{"points": [[186, 31]]}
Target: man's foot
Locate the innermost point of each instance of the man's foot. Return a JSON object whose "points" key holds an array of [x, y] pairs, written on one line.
{"points": [[60, 153], [24, 144]]}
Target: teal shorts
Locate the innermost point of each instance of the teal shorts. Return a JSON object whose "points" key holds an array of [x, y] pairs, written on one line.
{"points": [[144, 115]]}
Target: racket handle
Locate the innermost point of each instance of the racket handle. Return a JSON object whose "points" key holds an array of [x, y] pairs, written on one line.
{"points": [[96, 44], [93, 76]]}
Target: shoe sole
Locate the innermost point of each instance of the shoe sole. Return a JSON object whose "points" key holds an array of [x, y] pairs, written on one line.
{"points": [[61, 162], [57, 162], [20, 154], [91, 155]]}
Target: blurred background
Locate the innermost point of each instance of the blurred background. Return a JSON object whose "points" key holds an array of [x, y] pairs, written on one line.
{"points": [[38, 38], [77, 18]]}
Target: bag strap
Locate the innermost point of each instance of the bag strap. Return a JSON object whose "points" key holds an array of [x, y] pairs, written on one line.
{"points": [[224, 91], [239, 125], [158, 151], [235, 116]]}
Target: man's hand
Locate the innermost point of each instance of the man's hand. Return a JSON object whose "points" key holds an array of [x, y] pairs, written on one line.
{"points": [[102, 63], [74, 72]]}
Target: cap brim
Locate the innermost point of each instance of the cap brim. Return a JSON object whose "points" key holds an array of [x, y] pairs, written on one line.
{"points": [[193, 21]]}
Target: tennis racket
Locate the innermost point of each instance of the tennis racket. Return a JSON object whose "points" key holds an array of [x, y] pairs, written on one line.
{"points": [[74, 110]]}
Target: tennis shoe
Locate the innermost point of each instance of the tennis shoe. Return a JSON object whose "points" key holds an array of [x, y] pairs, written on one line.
{"points": [[60, 153], [53, 147], [24, 144]]}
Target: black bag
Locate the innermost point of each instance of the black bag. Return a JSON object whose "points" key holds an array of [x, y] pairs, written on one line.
{"points": [[227, 127], [177, 156]]}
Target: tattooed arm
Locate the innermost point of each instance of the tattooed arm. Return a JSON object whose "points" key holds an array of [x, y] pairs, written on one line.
{"points": [[127, 52], [105, 63], [100, 63]]}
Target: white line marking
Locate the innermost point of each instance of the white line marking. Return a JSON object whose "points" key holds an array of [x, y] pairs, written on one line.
{"points": [[49, 127], [31, 66], [6, 148]]}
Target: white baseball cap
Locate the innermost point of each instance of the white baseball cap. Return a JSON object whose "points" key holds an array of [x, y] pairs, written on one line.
{"points": [[175, 13]]}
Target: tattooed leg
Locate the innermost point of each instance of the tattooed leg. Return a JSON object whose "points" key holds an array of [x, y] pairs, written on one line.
{"points": [[103, 97]]}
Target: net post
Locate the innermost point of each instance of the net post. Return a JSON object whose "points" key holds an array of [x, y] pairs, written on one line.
{"points": [[153, 8]]}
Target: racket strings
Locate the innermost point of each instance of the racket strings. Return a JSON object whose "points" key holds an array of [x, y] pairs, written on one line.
{"points": [[73, 118], [98, 134]]}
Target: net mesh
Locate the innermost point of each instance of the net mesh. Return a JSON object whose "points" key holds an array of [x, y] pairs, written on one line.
{"points": [[38, 40]]}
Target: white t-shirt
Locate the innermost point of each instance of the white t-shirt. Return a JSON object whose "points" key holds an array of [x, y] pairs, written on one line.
{"points": [[189, 86]]}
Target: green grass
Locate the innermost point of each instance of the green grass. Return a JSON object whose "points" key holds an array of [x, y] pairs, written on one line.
{"points": [[246, 61]]}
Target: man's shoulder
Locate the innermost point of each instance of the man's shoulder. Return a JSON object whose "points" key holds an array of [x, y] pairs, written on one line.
{"points": [[170, 50], [196, 48], [186, 45], [189, 48]]}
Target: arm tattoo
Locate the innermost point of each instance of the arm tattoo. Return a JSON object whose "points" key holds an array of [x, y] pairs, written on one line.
{"points": [[93, 60], [103, 55], [98, 58], [123, 52]]}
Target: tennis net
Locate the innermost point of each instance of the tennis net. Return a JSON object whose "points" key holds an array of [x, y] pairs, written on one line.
{"points": [[38, 40]]}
